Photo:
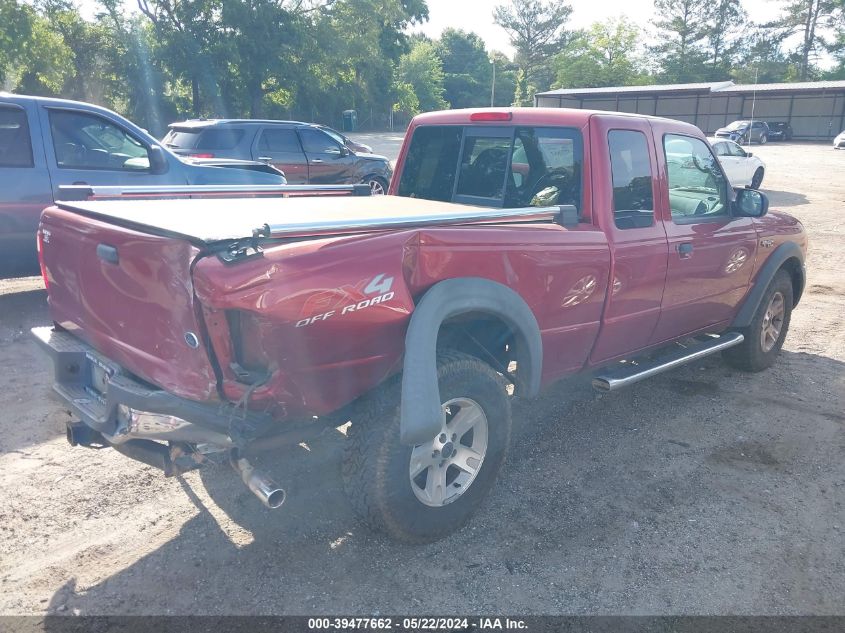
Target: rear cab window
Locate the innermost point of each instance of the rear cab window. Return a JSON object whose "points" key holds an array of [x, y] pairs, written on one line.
{"points": [[633, 193], [15, 141], [510, 167]]}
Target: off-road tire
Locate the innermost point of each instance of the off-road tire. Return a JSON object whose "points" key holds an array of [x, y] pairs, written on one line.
{"points": [[376, 464], [750, 355], [757, 178]]}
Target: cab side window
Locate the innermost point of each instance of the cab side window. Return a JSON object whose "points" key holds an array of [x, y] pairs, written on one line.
{"points": [[633, 193], [87, 141], [698, 191], [15, 143], [545, 168]]}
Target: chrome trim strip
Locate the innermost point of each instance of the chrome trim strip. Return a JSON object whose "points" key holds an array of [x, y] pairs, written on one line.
{"points": [[484, 216]]}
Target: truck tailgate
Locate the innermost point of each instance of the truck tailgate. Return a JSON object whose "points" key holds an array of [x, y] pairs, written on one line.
{"points": [[129, 295]]}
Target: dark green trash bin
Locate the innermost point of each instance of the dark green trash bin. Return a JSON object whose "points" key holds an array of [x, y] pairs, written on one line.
{"points": [[350, 120]]}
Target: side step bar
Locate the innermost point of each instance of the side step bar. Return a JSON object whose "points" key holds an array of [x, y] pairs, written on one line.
{"points": [[629, 373]]}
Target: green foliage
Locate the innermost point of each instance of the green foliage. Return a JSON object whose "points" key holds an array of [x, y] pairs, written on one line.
{"points": [[422, 69], [523, 91], [32, 55], [468, 73], [604, 55], [682, 31], [725, 20], [537, 31], [312, 59], [810, 19]]}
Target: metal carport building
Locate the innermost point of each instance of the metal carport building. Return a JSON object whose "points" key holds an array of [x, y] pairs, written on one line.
{"points": [[816, 110]]}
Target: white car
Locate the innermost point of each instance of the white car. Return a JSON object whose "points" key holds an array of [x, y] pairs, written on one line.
{"points": [[839, 141], [742, 168]]}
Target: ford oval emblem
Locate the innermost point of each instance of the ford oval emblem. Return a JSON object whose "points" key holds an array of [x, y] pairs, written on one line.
{"points": [[192, 340]]}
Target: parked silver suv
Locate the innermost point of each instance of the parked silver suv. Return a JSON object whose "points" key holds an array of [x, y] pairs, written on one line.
{"points": [[745, 132]]}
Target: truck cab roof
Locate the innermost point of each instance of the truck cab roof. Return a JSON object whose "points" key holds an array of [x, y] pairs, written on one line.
{"points": [[532, 116]]}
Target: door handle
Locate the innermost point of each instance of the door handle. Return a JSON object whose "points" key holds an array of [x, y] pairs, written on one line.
{"points": [[316, 161], [684, 249]]}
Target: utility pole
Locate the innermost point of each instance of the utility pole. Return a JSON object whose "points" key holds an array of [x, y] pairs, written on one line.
{"points": [[493, 85]]}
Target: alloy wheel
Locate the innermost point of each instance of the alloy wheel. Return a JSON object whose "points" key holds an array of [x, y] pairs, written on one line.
{"points": [[444, 468], [772, 322]]}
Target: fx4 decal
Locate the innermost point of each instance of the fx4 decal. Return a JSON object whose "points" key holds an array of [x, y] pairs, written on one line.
{"points": [[341, 301]]}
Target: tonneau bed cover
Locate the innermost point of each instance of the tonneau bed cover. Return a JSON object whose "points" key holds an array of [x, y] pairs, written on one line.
{"points": [[205, 221]]}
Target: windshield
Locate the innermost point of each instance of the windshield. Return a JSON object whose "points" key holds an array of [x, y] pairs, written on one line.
{"points": [[738, 125]]}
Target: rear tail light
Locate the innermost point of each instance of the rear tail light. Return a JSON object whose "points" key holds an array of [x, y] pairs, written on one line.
{"points": [[39, 242], [491, 116]]}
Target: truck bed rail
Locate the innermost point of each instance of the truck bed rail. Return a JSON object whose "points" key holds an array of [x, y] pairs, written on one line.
{"points": [[77, 193], [326, 227]]}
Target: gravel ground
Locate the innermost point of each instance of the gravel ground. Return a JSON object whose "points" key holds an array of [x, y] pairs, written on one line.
{"points": [[704, 491]]}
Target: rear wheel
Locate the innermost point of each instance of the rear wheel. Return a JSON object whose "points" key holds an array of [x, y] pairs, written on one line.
{"points": [[757, 179], [764, 337], [421, 493], [378, 185], [763, 139]]}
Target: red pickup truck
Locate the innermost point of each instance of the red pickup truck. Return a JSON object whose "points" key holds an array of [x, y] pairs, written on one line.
{"points": [[525, 245]]}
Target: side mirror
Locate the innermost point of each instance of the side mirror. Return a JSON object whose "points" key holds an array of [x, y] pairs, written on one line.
{"points": [[345, 151], [158, 161], [750, 203], [748, 154]]}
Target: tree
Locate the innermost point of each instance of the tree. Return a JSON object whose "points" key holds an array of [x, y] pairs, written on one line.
{"points": [[33, 58], [809, 19], [422, 69], [604, 55], [682, 28], [537, 31], [467, 69], [189, 33], [761, 59], [724, 23], [506, 72]]}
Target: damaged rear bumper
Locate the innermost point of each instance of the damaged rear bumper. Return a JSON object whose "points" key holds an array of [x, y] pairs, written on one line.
{"points": [[120, 407], [148, 424]]}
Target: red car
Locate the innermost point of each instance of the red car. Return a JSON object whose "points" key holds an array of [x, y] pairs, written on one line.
{"points": [[180, 325]]}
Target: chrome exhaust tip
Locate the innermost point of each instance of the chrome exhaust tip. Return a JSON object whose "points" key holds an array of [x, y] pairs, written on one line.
{"points": [[79, 434], [270, 494]]}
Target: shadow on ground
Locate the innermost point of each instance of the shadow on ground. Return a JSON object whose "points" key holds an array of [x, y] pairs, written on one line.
{"points": [[785, 198], [627, 502]]}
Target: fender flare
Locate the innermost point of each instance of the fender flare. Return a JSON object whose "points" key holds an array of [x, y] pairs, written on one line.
{"points": [[420, 409], [783, 253]]}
